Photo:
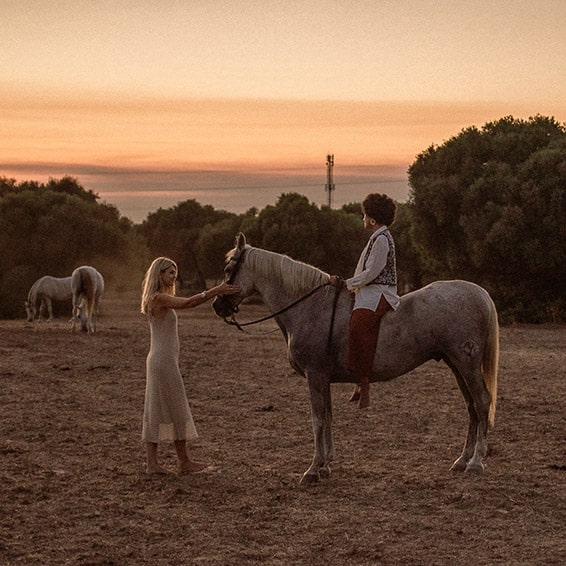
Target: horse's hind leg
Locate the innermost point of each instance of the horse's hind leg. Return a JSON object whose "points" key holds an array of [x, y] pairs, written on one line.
{"points": [[95, 313], [477, 400], [482, 401], [321, 407], [42, 308], [74, 314]]}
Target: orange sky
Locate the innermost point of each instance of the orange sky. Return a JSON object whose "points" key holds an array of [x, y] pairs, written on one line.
{"points": [[233, 103], [180, 134]]}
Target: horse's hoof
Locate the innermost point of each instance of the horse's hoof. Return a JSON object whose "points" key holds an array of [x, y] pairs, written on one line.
{"points": [[458, 466], [309, 478], [324, 473], [476, 468]]}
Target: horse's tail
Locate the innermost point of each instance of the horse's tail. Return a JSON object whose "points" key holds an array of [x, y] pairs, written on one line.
{"points": [[87, 287], [490, 361]]}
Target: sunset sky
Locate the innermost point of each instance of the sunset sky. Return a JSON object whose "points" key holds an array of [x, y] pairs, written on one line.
{"points": [[235, 102]]}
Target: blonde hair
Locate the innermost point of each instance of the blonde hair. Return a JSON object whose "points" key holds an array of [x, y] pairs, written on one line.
{"points": [[152, 282]]}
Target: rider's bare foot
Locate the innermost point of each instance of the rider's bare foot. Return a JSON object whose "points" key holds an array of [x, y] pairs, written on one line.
{"points": [[364, 397], [192, 467], [156, 470]]}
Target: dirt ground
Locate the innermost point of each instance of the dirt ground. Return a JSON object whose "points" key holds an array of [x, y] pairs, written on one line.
{"points": [[73, 490]]}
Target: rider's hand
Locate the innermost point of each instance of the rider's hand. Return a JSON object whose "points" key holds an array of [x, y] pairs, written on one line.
{"points": [[336, 281]]}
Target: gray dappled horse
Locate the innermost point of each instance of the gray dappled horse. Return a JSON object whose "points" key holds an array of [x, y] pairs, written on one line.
{"points": [[454, 321], [45, 290], [87, 286]]}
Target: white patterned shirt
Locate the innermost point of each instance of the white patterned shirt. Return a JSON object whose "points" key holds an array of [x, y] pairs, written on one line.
{"points": [[367, 293]]}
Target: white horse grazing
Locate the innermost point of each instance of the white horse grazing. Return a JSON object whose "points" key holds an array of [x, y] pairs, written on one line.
{"points": [[87, 286], [454, 321], [45, 290]]}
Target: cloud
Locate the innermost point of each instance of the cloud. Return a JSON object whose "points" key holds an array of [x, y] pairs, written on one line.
{"points": [[139, 191]]}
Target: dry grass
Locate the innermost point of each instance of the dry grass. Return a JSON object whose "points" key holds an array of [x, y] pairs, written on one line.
{"points": [[73, 489]]}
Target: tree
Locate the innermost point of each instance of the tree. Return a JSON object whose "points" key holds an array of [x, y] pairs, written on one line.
{"points": [[290, 227], [213, 243], [410, 269], [328, 239], [343, 238], [488, 206], [175, 233]]}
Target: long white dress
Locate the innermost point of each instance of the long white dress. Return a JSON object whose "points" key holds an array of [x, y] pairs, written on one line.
{"points": [[167, 415]]}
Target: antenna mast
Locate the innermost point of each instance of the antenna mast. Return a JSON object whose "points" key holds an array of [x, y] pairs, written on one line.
{"points": [[329, 187]]}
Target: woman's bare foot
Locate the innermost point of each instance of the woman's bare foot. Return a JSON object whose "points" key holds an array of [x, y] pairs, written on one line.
{"points": [[156, 469], [192, 467], [355, 394]]}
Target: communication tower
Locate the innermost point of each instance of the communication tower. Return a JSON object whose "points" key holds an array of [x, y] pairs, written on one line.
{"points": [[329, 187]]}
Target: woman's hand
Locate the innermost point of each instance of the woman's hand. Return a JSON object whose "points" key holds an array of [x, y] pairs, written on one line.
{"points": [[226, 289]]}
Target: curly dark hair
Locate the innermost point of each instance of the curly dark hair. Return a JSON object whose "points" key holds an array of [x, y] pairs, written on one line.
{"points": [[380, 207]]}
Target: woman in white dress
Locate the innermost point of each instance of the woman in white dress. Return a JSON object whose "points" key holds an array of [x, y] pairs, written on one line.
{"points": [[167, 415]]}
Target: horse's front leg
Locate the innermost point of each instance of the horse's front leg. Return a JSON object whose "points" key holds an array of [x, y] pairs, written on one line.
{"points": [[49, 309], [42, 309], [321, 408]]}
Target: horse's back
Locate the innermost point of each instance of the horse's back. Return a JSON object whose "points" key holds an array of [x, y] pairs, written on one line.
{"points": [[43, 283], [87, 271], [445, 296], [58, 288], [433, 323]]}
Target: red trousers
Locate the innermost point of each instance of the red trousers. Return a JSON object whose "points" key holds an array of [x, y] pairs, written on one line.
{"points": [[362, 341]]}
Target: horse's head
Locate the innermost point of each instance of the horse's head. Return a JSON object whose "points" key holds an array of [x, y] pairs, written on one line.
{"points": [[30, 310], [234, 273]]}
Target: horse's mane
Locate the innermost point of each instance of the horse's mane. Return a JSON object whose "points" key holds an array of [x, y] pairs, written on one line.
{"points": [[294, 276], [32, 293]]}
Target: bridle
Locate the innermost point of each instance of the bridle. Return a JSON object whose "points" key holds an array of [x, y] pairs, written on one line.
{"points": [[233, 322], [230, 279]]}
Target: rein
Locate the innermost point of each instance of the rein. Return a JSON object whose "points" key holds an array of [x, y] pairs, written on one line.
{"points": [[233, 322]]}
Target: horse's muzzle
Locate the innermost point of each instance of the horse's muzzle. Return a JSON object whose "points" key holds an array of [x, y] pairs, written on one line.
{"points": [[223, 307]]}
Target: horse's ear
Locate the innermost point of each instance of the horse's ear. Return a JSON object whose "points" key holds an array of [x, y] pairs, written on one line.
{"points": [[240, 241]]}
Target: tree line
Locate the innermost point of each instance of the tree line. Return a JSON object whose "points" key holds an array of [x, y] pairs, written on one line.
{"points": [[486, 206]]}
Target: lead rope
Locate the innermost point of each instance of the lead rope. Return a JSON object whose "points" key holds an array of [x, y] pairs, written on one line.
{"points": [[337, 290], [232, 321]]}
